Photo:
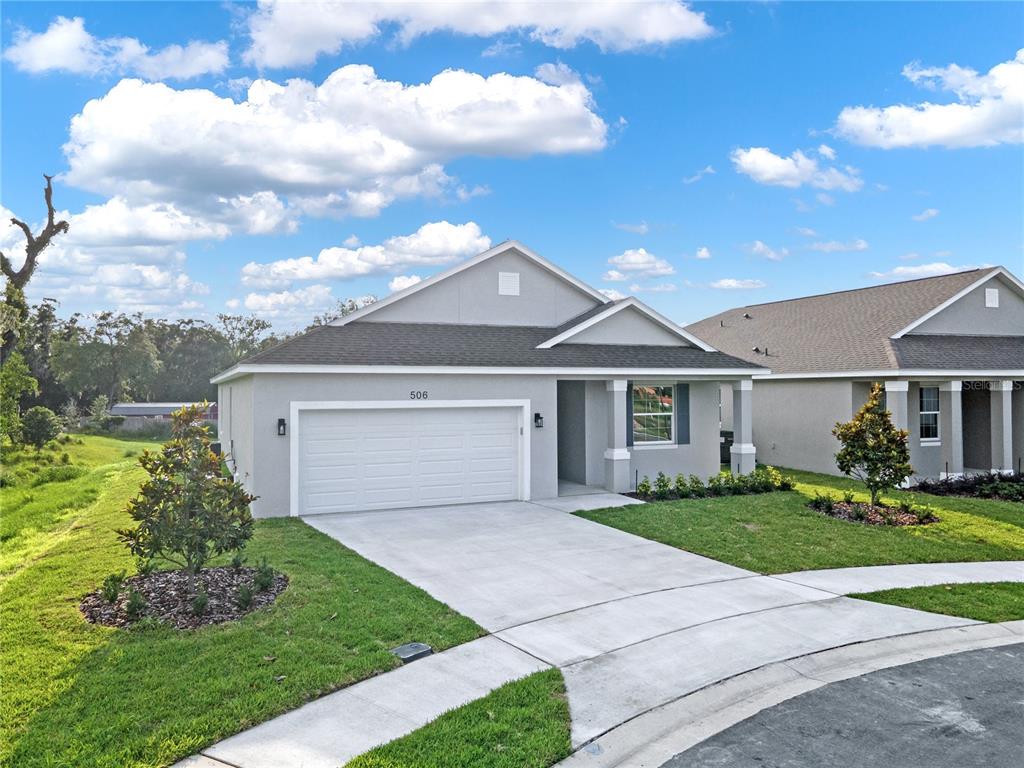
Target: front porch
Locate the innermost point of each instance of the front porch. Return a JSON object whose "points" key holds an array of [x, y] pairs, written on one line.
{"points": [[614, 432], [960, 426]]}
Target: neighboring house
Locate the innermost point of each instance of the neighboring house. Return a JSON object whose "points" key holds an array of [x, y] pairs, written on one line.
{"points": [[156, 411], [949, 350], [503, 378]]}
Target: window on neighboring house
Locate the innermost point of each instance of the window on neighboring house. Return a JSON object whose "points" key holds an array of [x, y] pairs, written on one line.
{"points": [[653, 414], [929, 413]]}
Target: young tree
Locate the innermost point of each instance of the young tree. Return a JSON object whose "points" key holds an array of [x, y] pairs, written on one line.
{"points": [[15, 382], [187, 511], [39, 426], [17, 279], [874, 450]]}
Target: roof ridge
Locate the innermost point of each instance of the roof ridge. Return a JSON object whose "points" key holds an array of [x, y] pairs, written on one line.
{"points": [[866, 288]]}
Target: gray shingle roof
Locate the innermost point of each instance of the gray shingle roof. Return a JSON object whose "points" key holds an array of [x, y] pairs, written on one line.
{"points": [[379, 343], [844, 331], [965, 352]]}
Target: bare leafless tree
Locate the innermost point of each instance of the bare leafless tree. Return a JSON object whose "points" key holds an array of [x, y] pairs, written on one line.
{"points": [[17, 279]]}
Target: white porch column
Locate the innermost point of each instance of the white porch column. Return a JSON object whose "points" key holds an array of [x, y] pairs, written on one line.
{"points": [[951, 428], [896, 403], [1001, 410], [742, 454], [616, 455]]}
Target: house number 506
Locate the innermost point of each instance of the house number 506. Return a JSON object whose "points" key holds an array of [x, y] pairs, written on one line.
{"points": [[418, 394]]}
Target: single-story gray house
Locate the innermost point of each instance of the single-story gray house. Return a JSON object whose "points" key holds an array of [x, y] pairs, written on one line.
{"points": [[949, 350], [502, 378]]}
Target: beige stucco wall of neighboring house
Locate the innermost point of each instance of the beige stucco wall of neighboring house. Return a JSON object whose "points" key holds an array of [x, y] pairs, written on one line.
{"points": [[793, 421], [701, 455]]}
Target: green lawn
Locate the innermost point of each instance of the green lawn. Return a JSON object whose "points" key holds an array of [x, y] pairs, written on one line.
{"points": [[1000, 601], [776, 532], [523, 724], [74, 694]]}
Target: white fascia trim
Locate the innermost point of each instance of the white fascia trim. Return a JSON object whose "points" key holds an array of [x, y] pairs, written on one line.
{"points": [[900, 373], [297, 406], [998, 271], [675, 374], [634, 303], [508, 245]]}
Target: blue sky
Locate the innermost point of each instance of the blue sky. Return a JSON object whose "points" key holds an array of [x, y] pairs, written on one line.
{"points": [[580, 133]]}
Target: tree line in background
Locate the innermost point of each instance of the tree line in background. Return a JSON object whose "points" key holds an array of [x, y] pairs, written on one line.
{"points": [[84, 363]]}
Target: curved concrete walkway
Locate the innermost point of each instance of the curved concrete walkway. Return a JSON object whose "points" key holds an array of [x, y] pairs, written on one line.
{"points": [[632, 624]]}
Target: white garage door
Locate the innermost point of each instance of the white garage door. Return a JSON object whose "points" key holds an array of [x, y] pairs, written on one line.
{"points": [[352, 460]]}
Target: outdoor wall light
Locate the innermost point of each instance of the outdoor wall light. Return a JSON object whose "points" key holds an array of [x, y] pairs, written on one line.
{"points": [[281, 427], [538, 420]]}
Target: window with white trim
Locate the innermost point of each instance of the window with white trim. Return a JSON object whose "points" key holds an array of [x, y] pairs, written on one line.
{"points": [[929, 399], [653, 413]]}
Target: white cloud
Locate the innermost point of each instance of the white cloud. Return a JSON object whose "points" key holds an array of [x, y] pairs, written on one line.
{"points": [[927, 213], [705, 171], [806, 232], [636, 229], [732, 284], [285, 33], [612, 294], [766, 167], [922, 270], [66, 46], [349, 146], [825, 199], [116, 223], [989, 110], [703, 252], [656, 288], [401, 282], [636, 264], [500, 48], [435, 243], [835, 246], [290, 305], [762, 249], [827, 152]]}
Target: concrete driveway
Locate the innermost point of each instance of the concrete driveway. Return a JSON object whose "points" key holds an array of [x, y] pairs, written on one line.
{"points": [[631, 623]]}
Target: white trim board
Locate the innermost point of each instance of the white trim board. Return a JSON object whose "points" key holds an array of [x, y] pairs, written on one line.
{"points": [[508, 245], [994, 272], [297, 406], [630, 303]]}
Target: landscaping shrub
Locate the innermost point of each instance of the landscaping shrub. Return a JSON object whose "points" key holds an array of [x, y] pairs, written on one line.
{"points": [[243, 597], [697, 488], [761, 480], [662, 486], [682, 487], [823, 502], [39, 426], [135, 605], [874, 450], [112, 586], [264, 576], [643, 488], [1005, 487], [58, 474], [187, 512], [200, 601]]}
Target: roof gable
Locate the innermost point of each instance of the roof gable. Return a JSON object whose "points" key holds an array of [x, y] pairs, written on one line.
{"points": [[537, 293], [844, 331], [966, 312], [627, 321]]}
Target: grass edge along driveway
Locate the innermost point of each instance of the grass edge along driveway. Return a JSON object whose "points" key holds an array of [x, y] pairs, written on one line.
{"points": [[77, 694], [992, 602], [777, 533]]}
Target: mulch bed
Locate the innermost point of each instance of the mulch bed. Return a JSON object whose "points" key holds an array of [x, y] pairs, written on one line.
{"points": [[168, 599], [860, 512]]}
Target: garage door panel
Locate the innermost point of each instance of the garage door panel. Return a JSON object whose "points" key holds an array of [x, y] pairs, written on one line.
{"points": [[351, 459]]}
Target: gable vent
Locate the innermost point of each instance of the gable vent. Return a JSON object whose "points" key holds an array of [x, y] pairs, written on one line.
{"points": [[992, 298], [508, 283]]}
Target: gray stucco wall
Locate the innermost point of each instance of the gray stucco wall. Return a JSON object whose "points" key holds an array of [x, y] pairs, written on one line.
{"points": [[970, 316], [597, 430], [572, 431], [628, 326], [925, 458], [471, 297], [235, 426], [793, 422], [272, 395], [1018, 425], [702, 455]]}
